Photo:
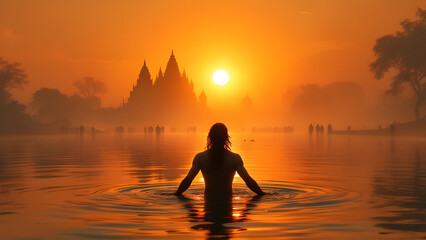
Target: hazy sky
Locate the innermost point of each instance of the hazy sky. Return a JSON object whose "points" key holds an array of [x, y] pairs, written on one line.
{"points": [[266, 46]]}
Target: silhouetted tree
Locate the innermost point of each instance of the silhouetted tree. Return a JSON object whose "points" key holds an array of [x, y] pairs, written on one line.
{"points": [[13, 118], [405, 52], [11, 76], [89, 87], [51, 106]]}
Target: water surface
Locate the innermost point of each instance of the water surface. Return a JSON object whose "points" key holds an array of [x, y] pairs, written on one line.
{"points": [[119, 187]]}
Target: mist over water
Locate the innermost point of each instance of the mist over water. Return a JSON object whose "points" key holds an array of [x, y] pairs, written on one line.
{"points": [[119, 186], [104, 104]]}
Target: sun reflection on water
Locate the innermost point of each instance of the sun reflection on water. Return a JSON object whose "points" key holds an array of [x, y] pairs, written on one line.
{"points": [[122, 188]]}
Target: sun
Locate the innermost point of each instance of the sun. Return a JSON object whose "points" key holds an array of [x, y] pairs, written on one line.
{"points": [[220, 77]]}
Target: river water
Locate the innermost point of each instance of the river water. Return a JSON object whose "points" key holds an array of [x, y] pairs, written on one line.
{"points": [[119, 187]]}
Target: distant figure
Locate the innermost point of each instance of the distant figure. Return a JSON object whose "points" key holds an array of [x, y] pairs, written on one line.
{"points": [[157, 130], [349, 128], [311, 129], [329, 128], [81, 130], [119, 129], [392, 129], [218, 166], [317, 128], [150, 129], [291, 129], [322, 129]]}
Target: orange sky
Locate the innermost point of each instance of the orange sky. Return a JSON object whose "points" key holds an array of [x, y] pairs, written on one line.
{"points": [[266, 46]]}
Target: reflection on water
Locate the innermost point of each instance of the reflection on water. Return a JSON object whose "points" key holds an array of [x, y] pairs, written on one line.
{"points": [[217, 213], [403, 186], [119, 187]]}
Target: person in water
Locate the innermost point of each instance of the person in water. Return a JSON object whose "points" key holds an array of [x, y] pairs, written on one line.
{"points": [[218, 166]]}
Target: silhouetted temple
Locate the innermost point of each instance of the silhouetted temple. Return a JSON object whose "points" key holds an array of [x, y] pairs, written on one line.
{"points": [[168, 99]]}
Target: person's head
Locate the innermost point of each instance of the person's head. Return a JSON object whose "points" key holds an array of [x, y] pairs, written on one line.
{"points": [[218, 137]]}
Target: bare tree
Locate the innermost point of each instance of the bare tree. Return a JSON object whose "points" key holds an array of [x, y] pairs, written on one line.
{"points": [[89, 87], [405, 51], [11, 76]]}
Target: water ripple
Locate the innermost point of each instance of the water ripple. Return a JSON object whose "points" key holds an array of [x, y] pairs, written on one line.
{"points": [[157, 199]]}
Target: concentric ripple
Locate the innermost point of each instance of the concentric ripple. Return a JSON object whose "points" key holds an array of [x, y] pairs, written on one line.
{"points": [[282, 195], [152, 209]]}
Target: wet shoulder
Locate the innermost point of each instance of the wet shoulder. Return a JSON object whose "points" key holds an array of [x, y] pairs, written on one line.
{"points": [[231, 157], [235, 158], [201, 157]]}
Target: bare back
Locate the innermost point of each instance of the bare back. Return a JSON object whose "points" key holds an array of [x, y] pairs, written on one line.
{"points": [[218, 178]]}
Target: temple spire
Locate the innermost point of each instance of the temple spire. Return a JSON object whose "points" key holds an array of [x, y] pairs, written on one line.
{"points": [[202, 99], [172, 72], [160, 73], [184, 74], [144, 75]]}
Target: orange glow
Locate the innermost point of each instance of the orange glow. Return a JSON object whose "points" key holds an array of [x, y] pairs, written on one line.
{"points": [[220, 77], [108, 136], [264, 55]]}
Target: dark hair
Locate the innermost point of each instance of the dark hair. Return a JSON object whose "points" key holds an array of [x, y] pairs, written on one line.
{"points": [[218, 142], [218, 137]]}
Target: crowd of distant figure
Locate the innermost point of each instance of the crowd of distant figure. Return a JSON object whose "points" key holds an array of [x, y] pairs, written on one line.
{"points": [[319, 129], [285, 129], [77, 130], [151, 129], [191, 129]]}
